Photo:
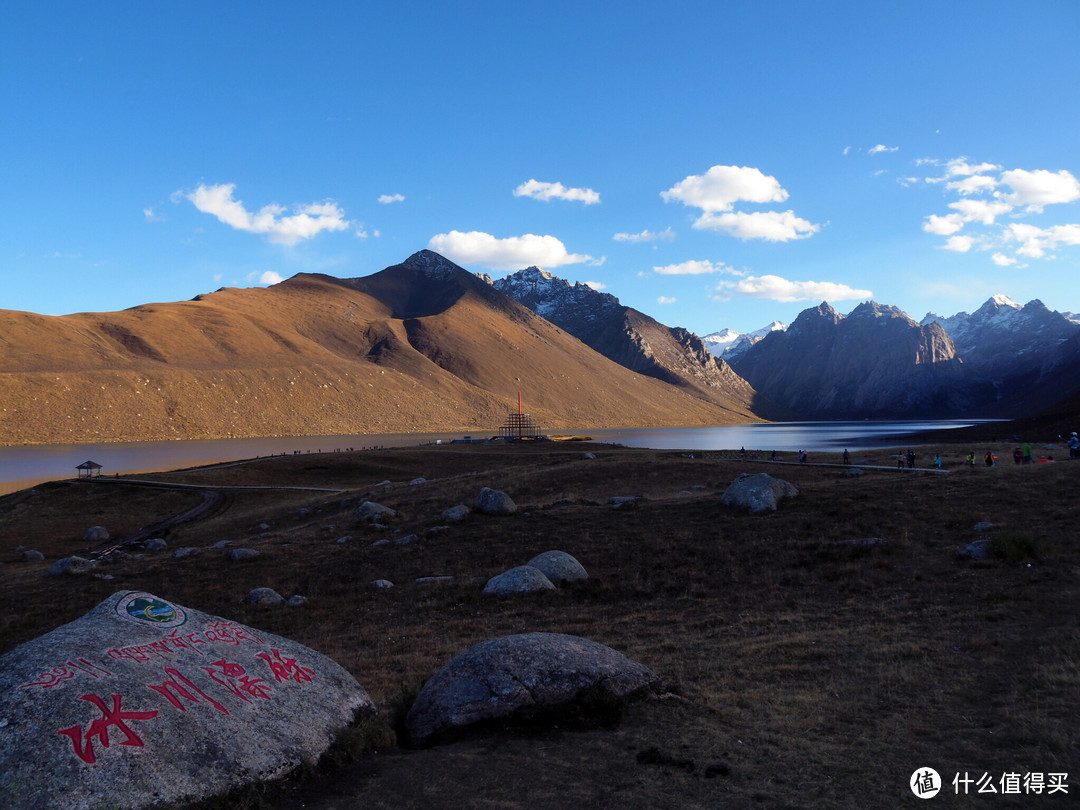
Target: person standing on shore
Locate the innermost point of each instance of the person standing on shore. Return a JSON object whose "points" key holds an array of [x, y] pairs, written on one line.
{"points": [[1074, 446], [1025, 452]]}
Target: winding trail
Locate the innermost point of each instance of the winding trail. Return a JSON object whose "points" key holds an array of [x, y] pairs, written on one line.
{"points": [[212, 499]]}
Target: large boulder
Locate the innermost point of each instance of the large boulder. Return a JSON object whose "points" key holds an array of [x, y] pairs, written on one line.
{"points": [[758, 493], [523, 678], [143, 702], [493, 502], [559, 567], [96, 534], [523, 579]]}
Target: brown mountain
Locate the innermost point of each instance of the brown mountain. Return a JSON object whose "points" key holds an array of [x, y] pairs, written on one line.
{"points": [[421, 346]]}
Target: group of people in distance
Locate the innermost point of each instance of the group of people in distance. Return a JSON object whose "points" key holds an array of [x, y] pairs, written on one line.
{"points": [[1023, 453]]}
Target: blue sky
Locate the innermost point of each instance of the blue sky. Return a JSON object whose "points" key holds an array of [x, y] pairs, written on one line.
{"points": [[711, 164]]}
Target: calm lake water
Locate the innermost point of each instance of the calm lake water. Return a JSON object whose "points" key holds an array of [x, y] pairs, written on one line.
{"points": [[24, 466]]}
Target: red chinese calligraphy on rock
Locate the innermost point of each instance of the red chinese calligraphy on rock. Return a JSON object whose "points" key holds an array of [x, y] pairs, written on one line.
{"points": [[175, 642], [65, 672], [84, 746], [286, 669], [235, 678], [181, 687]]}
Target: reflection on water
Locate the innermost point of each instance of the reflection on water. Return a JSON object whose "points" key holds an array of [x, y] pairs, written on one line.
{"points": [[25, 466], [782, 436]]}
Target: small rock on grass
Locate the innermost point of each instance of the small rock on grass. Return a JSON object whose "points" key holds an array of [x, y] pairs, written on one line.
{"points": [[264, 597], [71, 565], [456, 514], [493, 502], [523, 579], [979, 550], [559, 567]]}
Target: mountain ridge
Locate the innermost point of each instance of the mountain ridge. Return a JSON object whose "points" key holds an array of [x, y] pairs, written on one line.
{"points": [[421, 346], [631, 338]]}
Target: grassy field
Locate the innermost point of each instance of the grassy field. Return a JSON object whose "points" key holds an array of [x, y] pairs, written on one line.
{"points": [[812, 672]]}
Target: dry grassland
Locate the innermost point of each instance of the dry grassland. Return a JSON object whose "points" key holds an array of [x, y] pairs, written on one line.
{"points": [[812, 672]]}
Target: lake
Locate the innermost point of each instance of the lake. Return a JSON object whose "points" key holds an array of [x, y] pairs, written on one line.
{"points": [[26, 465]]}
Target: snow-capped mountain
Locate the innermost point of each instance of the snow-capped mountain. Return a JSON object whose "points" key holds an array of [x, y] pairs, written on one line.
{"points": [[729, 344], [556, 298], [876, 362], [1002, 336], [627, 336]]}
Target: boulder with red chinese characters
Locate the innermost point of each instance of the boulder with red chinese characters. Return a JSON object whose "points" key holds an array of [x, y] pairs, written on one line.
{"points": [[145, 702]]}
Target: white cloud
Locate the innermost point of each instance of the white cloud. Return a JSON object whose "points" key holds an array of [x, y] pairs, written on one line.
{"points": [[943, 226], [663, 299], [1039, 188], [981, 211], [847, 149], [972, 184], [959, 243], [877, 150], [723, 186], [716, 193], [691, 268], [151, 216], [775, 226], [960, 167], [986, 198], [307, 221], [1035, 242], [984, 212], [386, 199], [780, 289], [556, 191], [645, 236], [511, 253], [270, 277], [596, 285]]}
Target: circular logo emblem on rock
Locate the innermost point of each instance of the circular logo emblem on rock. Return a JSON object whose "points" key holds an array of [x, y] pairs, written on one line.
{"points": [[925, 783], [147, 608]]}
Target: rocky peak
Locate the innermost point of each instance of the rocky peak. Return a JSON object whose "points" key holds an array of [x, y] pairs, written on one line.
{"points": [[815, 318], [431, 264], [556, 298], [624, 334], [871, 310]]}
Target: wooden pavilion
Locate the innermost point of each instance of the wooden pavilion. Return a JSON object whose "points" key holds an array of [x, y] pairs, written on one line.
{"points": [[88, 469]]}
